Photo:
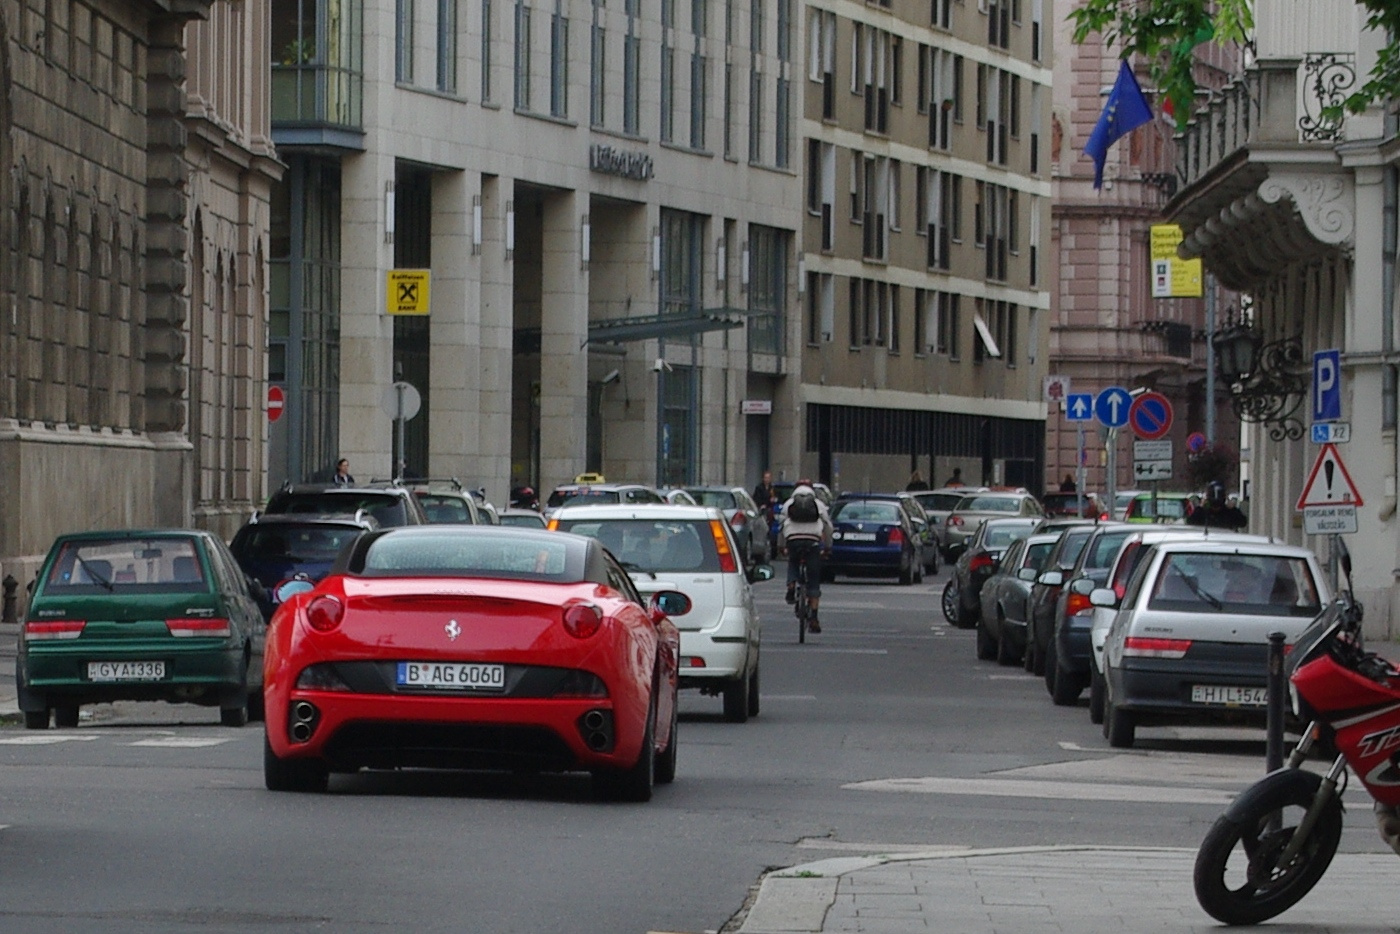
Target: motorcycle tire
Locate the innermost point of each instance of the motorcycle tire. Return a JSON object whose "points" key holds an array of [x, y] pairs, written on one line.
{"points": [[1235, 878]]}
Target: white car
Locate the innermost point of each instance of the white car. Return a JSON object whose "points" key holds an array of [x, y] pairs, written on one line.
{"points": [[690, 549], [1189, 643], [1130, 553]]}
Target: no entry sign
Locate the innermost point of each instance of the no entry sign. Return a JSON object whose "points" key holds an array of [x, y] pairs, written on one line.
{"points": [[276, 402]]}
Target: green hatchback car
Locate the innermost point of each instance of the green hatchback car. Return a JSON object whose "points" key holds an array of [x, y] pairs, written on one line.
{"points": [[140, 615]]}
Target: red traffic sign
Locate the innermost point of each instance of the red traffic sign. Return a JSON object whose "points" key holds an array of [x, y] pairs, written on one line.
{"points": [[276, 402], [1196, 442], [1329, 483], [1150, 416]]}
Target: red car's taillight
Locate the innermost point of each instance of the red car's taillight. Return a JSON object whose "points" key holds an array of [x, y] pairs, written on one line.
{"points": [[187, 628], [324, 613], [726, 556], [1142, 647], [37, 630], [582, 620]]}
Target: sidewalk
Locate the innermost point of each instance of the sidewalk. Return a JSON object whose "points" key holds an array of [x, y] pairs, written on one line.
{"points": [[9, 642], [1032, 889]]}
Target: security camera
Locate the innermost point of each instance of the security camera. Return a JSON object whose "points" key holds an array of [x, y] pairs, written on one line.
{"points": [[612, 377], [660, 365]]}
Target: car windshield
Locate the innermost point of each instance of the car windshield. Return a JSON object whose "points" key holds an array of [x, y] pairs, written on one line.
{"points": [[1002, 535], [864, 511], [721, 499], [1167, 508], [939, 502], [582, 497], [292, 544], [444, 507], [1258, 585], [126, 565], [512, 555], [654, 545], [387, 508], [989, 504]]}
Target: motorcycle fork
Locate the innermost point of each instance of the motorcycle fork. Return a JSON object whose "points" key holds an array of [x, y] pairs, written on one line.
{"points": [[1325, 792], [1300, 752]]}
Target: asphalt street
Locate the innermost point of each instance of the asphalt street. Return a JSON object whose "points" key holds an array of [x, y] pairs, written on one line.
{"points": [[883, 748]]}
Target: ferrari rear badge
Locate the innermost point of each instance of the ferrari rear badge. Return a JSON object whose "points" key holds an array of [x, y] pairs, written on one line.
{"points": [[452, 629]]}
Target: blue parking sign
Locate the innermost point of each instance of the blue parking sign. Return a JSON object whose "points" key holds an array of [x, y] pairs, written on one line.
{"points": [[1327, 386]]}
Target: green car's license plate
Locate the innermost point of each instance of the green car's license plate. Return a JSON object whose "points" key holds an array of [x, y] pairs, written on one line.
{"points": [[125, 671]]}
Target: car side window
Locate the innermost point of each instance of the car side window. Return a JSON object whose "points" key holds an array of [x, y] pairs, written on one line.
{"points": [[226, 570], [1012, 558], [620, 581], [1130, 595]]}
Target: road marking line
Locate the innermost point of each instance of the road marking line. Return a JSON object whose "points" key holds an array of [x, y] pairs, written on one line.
{"points": [[820, 650], [182, 742], [48, 740], [1070, 791], [769, 697]]}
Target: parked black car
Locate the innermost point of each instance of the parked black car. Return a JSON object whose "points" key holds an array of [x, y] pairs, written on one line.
{"points": [[1001, 627], [1067, 662], [1041, 621], [272, 549], [390, 505], [978, 561]]}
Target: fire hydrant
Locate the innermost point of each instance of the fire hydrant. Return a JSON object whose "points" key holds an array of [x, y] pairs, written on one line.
{"points": [[8, 609]]}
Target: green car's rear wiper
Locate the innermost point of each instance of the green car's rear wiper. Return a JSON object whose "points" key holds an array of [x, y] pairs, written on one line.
{"points": [[97, 578]]}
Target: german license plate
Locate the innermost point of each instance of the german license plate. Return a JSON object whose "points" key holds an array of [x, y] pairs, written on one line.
{"points": [[452, 676], [126, 671], [859, 536], [1231, 696]]}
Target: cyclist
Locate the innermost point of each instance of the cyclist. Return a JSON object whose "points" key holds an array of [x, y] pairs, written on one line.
{"points": [[805, 535]]}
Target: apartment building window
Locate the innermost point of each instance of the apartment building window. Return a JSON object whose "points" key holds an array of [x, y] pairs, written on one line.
{"points": [[931, 219], [855, 318], [894, 318], [937, 92], [998, 23], [893, 192], [488, 36], [923, 80], [821, 189], [921, 316], [1037, 27], [559, 62], [1008, 346], [821, 58], [1035, 129], [768, 264], [896, 70], [597, 84], [784, 30], [950, 204], [447, 46], [857, 38], [700, 18], [942, 11], [980, 117], [1001, 113], [874, 67], [756, 13], [821, 307], [1013, 227], [979, 230], [403, 41], [993, 227], [632, 71], [875, 185], [1035, 240], [873, 324], [728, 115], [699, 99], [947, 332], [522, 56], [668, 90], [857, 200], [782, 142], [756, 117]]}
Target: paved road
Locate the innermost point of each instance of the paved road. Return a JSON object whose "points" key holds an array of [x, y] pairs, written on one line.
{"points": [[882, 737]]}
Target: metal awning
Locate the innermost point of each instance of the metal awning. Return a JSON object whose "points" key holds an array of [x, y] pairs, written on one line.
{"points": [[988, 341], [651, 327]]}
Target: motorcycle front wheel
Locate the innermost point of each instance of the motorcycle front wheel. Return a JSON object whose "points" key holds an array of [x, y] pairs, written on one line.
{"points": [[1238, 877]]}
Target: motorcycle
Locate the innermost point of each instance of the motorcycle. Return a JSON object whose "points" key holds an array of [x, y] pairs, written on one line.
{"points": [[1276, 840]]}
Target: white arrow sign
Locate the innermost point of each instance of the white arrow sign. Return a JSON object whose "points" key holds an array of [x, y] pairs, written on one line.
{"points": [[1081, 408]]}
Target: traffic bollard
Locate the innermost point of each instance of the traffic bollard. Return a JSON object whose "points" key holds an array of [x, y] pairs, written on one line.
{"points": [[1278, 693], [9, 611]]}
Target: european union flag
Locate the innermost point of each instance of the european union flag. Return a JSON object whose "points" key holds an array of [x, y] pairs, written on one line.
{"points": [[1126, 110]]}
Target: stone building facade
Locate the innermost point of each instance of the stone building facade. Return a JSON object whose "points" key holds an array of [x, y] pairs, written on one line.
{"points": [[121, 206]]}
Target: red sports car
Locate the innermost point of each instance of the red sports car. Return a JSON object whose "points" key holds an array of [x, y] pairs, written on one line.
{"points": [[473, 647]]}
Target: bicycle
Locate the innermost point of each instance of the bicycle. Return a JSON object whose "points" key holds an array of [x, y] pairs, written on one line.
{"points": [[802, 607]]}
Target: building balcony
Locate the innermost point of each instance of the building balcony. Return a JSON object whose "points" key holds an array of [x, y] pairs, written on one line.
{"points": [[317, 105]]}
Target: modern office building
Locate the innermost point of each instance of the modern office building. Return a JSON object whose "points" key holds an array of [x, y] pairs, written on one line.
{"points": [[925, 287], [138, 167], [589, 214]]}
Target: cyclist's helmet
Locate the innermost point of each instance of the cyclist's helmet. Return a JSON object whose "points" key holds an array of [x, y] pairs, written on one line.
{"points": [[1215, 493]]}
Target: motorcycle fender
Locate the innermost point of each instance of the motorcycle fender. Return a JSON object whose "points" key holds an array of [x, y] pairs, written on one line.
{"points": [[1274, 788]]}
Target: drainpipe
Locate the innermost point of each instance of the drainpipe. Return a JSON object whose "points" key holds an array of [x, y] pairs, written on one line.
{"points": [[1388, 373]]}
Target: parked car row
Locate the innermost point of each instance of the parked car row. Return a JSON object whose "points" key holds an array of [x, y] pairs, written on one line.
{"points": [[1161, 625]]}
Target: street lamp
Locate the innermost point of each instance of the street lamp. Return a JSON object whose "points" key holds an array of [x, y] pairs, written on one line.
{"points": [[1266, 380]]}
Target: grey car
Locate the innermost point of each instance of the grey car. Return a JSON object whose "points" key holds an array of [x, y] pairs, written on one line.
{"points": [[1001, 630], [974, 509], [938, 503]]}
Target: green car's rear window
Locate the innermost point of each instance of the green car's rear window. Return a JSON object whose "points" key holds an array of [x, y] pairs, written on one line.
{"points": [[126, 566]]}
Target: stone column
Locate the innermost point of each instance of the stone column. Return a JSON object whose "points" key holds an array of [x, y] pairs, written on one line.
{"points": [[495, 296], [563, 331], [454, 325]]}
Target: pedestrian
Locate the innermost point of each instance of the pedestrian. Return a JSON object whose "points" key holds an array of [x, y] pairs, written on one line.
{"points": [[805, 536], [916, 482], [764, 496], [1215, 512], [956, 479], [342, 473], [1067, 485]]}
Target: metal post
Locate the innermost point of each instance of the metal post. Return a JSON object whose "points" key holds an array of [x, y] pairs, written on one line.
{"points": [[1278, 691], [1210, 357], [399, 461], [1111, 486], [1079, 472]]}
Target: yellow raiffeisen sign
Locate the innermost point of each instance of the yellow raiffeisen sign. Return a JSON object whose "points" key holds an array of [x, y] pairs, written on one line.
{"points": [[1173, 277], [407, 292]]}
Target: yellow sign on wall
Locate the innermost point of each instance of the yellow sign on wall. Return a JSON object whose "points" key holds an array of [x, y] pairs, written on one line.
{"points": [[407, 292], [1173, 277]]}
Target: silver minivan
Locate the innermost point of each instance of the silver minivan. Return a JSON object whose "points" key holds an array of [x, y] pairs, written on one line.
{"points": [[1189, 643]]}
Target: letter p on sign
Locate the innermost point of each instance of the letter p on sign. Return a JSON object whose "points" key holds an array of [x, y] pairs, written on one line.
{"points": [[1327, 386]]}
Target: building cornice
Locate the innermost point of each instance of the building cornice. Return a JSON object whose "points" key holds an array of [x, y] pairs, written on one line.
{"points": [[920, 401]]}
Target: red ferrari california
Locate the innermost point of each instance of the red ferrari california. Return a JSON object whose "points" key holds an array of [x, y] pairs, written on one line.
{"points": [[473, 647]]}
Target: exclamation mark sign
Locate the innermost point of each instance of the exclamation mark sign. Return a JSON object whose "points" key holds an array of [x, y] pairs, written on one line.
{"points": [[1329, 467]]}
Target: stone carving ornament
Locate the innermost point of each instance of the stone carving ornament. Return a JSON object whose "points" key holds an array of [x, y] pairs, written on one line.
{"points": [[1326, 203]]}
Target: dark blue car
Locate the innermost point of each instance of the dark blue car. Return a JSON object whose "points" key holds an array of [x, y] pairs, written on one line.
{"points": [[275, 548], [874, 535]]}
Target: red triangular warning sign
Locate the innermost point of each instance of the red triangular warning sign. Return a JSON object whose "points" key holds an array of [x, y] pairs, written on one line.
{"points": [[1328, 483]]}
